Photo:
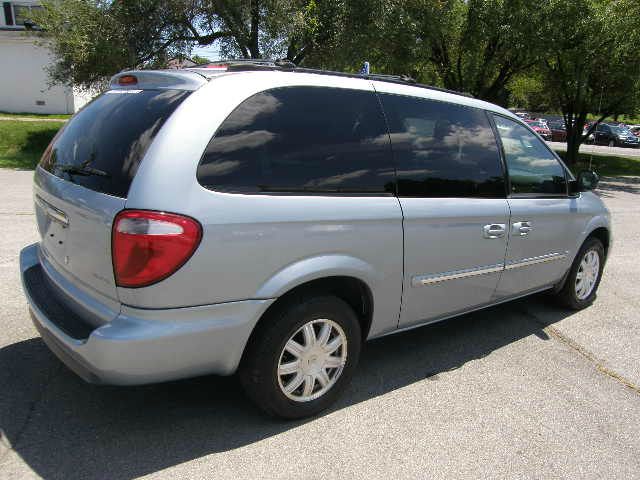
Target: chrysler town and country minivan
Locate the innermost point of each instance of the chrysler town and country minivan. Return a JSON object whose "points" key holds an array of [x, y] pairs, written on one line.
{"points": [[267, 220]]}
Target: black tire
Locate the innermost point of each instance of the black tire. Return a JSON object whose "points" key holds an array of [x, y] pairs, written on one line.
{"points": [[258, 370], [567, 295]]}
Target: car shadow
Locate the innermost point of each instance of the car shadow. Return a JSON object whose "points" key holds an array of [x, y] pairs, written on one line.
{"points": [[64, 428]]}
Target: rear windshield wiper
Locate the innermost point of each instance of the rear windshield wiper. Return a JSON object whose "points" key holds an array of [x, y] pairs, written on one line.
{"points": [[83, 170]]}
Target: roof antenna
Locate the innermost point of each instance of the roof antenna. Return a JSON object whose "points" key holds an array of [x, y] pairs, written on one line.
{"points": [[365, 69]]}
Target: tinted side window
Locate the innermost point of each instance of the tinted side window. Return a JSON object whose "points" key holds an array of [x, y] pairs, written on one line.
{"points": [[301, 139], [110, 135], [443, 149], [532, 167]]}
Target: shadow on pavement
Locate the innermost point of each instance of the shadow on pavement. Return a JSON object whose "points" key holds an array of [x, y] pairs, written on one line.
{"points": [[63, 428]]}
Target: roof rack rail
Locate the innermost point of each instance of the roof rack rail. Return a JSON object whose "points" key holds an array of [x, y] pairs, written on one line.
{"points": [[257, 64], [250, 64], [400, 79]]}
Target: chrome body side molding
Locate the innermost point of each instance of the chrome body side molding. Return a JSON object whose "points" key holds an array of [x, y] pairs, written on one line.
{"points": [[454, 275], [431, 279], [550, 257]]}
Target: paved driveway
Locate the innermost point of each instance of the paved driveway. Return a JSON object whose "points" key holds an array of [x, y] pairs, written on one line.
{"points": [[523, 390]]}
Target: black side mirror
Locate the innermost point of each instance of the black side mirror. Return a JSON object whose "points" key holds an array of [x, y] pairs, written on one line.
{"points": [[587, 180]]}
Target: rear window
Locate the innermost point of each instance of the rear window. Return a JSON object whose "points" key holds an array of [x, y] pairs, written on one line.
{"points": [[301, 139], [101, 147]]}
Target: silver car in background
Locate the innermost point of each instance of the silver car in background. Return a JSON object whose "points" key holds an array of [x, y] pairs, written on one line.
{"points": [[267, 220]]}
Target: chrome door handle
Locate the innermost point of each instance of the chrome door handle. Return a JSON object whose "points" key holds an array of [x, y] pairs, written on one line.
{"points": [[494, 230], [522, 228]]}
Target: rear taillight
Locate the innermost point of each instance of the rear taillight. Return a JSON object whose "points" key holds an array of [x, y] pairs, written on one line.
{"points": [[149, 246]]}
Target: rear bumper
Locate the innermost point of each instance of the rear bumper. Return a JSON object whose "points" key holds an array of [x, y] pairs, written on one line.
{"points": [[140, 345]]}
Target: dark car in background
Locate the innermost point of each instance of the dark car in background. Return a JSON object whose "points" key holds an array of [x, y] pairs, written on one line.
{"points": [[615, 136], [558, 131], [540, 128]]}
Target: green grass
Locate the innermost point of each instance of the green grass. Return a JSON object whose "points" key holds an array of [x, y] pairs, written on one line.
{"points": [[35, 115], [22, 143], [607, 165]]}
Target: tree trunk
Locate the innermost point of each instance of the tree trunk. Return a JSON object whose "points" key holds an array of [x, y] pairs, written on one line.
{"points": [[573, 145], [254, 47], [574, 123]]}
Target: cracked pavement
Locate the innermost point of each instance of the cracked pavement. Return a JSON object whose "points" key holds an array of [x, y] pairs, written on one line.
{"points": [[523, 390]]}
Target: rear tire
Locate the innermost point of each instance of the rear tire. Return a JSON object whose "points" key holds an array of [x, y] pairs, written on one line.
{"points": [[315, 376], [579, 290]]}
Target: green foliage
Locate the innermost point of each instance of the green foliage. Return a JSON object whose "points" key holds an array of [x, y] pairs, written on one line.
{"points": [[200, 60], [478, 46], [528, 91], [93, 39]]}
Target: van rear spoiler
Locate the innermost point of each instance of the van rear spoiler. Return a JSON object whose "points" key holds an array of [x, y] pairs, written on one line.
{"points": [[157, 80]]}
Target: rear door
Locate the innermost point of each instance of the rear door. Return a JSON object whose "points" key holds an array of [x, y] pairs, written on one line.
{"points": [[83, 179], [452, 192], [541, 211]]}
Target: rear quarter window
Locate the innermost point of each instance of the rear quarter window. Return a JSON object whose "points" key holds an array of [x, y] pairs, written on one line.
{"points": [[102, 145], [301, 140]]}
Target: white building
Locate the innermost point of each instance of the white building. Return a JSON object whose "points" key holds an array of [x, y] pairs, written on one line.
{"points": [[24, 84]]}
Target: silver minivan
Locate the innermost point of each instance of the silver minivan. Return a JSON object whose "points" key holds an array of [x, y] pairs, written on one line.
{"points": [[267, 220]]}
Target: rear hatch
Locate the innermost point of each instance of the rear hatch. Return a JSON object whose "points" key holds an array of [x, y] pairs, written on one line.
{"points": [[84, 178]]}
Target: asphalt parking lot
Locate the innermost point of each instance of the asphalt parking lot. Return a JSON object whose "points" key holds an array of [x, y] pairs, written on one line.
{"points": [[522, 390]]}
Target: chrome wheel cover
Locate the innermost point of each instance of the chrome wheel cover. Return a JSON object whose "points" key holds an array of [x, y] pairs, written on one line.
{"points": [[587, 274], [312, 360]]}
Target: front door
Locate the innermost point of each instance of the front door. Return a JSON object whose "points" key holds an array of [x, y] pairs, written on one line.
{"points": [[539, 240], [452, 193]]}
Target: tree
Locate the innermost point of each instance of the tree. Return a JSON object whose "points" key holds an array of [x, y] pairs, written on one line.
{"points": [[474, 46], [591, 66], [528, 90], [92, 39]]}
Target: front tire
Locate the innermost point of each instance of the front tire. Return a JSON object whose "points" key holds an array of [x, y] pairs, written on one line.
{"points": [[301, 356], [579, 290]]}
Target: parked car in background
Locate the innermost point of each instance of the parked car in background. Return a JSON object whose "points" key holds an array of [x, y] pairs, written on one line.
{"points": [[523, 115], [558, 131], [615, 136], [540, 128], [635, 129], [592, 136]]}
